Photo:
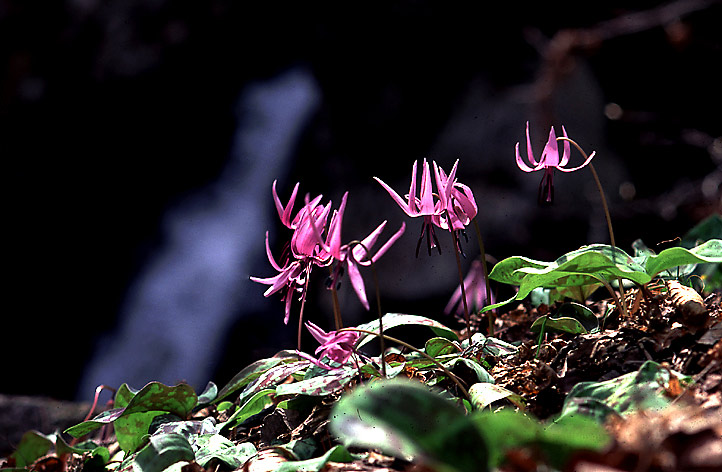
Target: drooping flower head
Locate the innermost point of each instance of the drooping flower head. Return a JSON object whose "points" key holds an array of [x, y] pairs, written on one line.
{"points": [[337, 347], [456, 199], [305, 252], [548, 161], [423, 205]]}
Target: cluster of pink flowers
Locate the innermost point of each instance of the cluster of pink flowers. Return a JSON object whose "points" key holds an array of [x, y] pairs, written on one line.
{"points": [[316, 238], [452, 207], [309, 248]]}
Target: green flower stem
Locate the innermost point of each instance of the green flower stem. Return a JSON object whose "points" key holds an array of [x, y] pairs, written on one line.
{"points": [[453, 377], [604, 206], [485, 271]]}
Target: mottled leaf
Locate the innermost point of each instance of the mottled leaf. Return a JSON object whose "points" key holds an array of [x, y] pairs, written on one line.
{"points": [[331, 382], [392, 320], [483, 394]]}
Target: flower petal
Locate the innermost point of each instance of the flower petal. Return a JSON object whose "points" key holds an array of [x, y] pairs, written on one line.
{"points": [[589, 159], [406, 206]]}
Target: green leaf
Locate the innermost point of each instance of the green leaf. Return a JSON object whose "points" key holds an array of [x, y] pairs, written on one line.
{"points": [[406, 419], [335, 454], [209, 394], [624, 394], [271, 378], [460, 363], [131, 421], [392, 320], [507, 270], [711, 251], [247, 375], [570, 318], [254, 405], [440, 347], [484, 394], [32, 446], [326, 384], [163, 451], [506, 430], [215, 446]]}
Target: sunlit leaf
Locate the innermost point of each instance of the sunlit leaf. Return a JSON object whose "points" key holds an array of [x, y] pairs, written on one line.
{"points": [[710, 251], [392, 320], [484, 394], [214, 446], [326, 384], [252, 406], [440, 346]]}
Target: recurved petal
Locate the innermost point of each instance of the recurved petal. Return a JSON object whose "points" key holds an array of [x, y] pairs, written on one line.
{"points": [[572, 169], [357, 282], [522, 165], [408, 207], [567, 149]]}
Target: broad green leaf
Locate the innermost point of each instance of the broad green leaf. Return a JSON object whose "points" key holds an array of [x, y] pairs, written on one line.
{"points": [[246, 376], [639, 390], [711, 251], [585, 268], [254, 405], [506, 430], [460, 363], [570, 318], [709, 228], [163, 451], [326, 384], [214, 446], [506, 271], [131, 421], [32, 446], [392, 320], [484, 394], [440, 347], [271, 378], [337, 453], [406, 419], [209, 394]]}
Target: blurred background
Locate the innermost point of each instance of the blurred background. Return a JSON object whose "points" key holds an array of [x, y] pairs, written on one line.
{"points": [[141, 139]]}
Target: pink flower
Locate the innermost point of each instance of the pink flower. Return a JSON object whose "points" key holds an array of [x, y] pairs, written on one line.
{"points": [[292, 276], [548, 161], [352, 255], [337, 347], [456, 198], [422, 206], [475, 288]]}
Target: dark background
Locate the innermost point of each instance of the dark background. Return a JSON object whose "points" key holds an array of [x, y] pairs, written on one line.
{"points": [[112, 113]]}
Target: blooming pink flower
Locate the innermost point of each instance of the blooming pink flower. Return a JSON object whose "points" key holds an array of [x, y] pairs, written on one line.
{"points": [[548, 161], [337, 347], [475, 288], [351, 256], [456, 198], [419, 206], [292, 276]]}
